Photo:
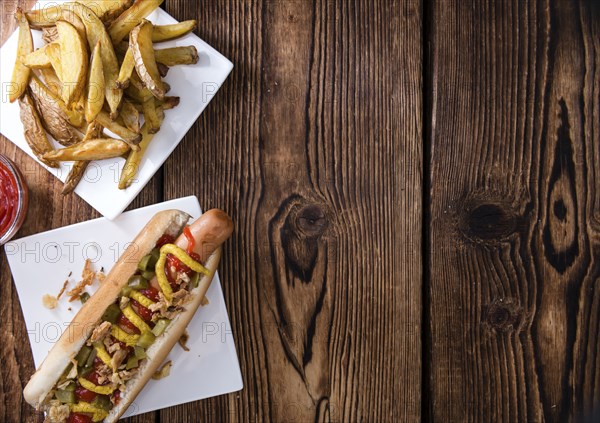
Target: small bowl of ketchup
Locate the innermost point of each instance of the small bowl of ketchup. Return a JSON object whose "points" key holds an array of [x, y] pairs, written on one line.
{"points": [[13, 199]]}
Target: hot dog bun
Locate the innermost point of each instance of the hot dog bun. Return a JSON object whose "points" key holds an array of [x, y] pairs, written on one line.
{"points": [[209, 232]]}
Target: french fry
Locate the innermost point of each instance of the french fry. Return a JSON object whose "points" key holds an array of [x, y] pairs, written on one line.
{"points": [[123, 25], [130, 137], [107, 10], [137, 90], [170, 32], [35, 135], [44, 17], [132, 164], [152, 120], [163, 70], [53, 54], [56, 117], [75, 20], [187, 55], [94, 149], [96, 31], [51, 81], [39, 59], [130, 116], [93, 131], [168, 103], [127, 68], [20, 76], [96, 86], [140, 43], [74, 61]]}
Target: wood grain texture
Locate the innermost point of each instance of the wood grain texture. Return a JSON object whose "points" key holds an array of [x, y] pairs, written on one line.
{"points": [[514, 293], [313, 145]]}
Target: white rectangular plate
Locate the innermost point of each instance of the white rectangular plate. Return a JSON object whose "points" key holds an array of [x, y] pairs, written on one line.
{"points": [[194, 84], [41, 263]]}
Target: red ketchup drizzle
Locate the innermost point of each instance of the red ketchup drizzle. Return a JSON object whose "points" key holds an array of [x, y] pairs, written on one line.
{"points": [[83, 394], [116, 397], [93, 377], [79, 418], [142, 311], [126, 324], [150, 293], [190, 239], [9, 199], [165, 239]]}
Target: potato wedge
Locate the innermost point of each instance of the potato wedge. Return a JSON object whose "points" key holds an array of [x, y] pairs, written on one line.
{"points": [[53, 54], [130, 137], [187, 55], [39, 58], [96, 86], [35, 135], [20, 76], [51, 81], [130, 116], [152, 120], [137, 90], [129, 19], [140, 43], [96, 31], [170, 32], [45, 16], [134, 159], [168, 103], [107, 10], [49, 34], [94, 149], [93, 131], [74, 61], [163, 70], [127, 68], [54, 113]]}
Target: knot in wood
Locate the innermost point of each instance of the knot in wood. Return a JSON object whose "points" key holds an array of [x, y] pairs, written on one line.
{"points": [[502, 315], [488, 221], [312, 220]]}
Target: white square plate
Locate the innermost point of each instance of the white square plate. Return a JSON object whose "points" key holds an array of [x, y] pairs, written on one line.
{"points": [[194, 84], [41, 263]]}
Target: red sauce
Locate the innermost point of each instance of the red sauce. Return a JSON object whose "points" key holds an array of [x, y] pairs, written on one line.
{"points": [[93, 377], [116, 397], [126, 325], [143, 312], [150, 293], [190, 239], [165, 239], [9, 199], [79, 418], [83, 394]]}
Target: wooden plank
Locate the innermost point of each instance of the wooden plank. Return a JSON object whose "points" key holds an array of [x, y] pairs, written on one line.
{"points": [[314, 146], [48, 209], [514, 293]]}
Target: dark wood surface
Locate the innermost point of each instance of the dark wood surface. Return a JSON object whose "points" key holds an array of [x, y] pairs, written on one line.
{"points": [[415, 191], [513, 293], [302, 146]]}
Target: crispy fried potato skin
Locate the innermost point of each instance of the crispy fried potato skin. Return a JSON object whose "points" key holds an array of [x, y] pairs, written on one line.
{"points": [[140, 43], [35, 135]]}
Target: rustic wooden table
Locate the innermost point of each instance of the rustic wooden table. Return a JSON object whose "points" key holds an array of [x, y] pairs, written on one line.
{"points": [[415, 186]]}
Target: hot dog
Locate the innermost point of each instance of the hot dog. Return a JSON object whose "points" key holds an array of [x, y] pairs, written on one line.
{"points": [[124, 332]]}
